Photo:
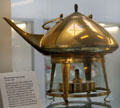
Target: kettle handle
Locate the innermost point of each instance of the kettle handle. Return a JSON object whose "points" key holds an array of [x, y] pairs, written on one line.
{"points": [[46, 27]]}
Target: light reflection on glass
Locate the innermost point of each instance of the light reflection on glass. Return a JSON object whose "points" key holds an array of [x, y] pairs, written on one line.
{"points": [[22, 26], [112, 29], [21, 2], [102, 24]]}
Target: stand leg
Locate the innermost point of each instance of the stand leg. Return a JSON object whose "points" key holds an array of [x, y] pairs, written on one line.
{"points": [[52, 76], [87, 68], [105, 74], [105, 77], [89, 102], [66, 72]]}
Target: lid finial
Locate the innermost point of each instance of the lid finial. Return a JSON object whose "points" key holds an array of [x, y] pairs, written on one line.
{"points": [[76, 7], [61, 15]]}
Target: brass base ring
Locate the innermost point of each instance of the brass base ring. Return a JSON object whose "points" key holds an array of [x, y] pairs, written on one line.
{"points": [[96, 93]]}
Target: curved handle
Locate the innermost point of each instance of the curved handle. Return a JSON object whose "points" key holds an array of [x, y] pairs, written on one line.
{"points": [[56, 19]]}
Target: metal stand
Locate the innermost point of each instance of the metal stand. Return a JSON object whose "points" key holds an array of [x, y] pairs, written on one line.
{"points": [[65, 73], [52, 76], [106, 80]]}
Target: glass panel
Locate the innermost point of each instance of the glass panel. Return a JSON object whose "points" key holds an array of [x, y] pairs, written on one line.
{"points": [[97, 74], [21, 50]]}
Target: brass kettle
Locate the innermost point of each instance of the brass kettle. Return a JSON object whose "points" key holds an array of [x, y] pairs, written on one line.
{"points": [[75, 33], [73, 39]]}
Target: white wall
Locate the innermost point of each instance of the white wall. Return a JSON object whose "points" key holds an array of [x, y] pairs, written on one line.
{"points": [[5, 38]]}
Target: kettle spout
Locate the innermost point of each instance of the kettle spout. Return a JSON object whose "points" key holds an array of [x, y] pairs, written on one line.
{"points": [[33, 39]]}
